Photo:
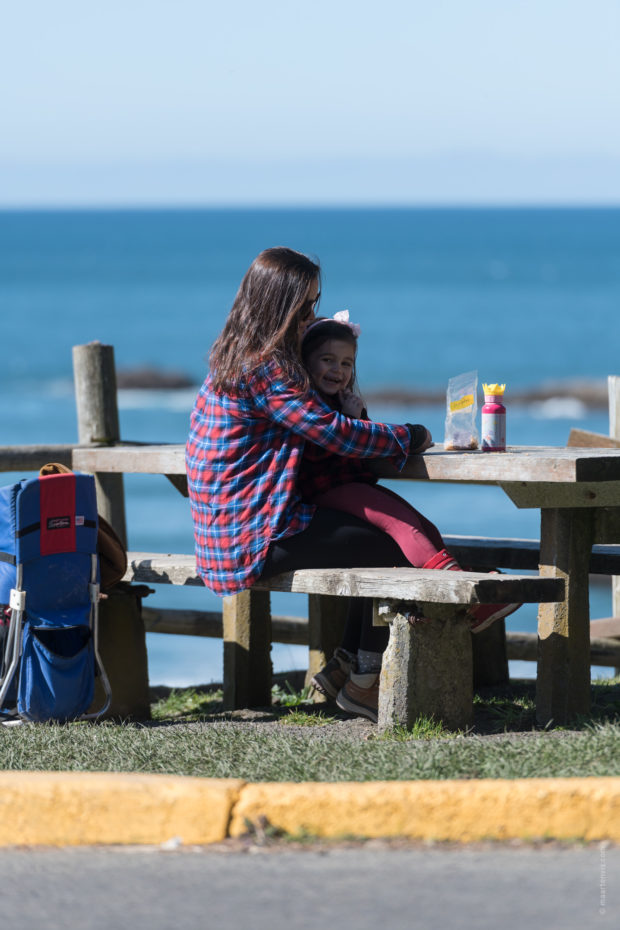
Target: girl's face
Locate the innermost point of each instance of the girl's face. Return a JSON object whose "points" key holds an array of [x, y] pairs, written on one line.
{"points": [[331, 366]]}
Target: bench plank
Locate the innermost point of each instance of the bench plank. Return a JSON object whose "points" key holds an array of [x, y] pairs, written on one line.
{"points": [[406, 584], [162, 568], [418, 584]]}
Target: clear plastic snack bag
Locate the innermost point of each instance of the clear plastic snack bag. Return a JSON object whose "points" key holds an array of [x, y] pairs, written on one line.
{"points": [[462, 412]]}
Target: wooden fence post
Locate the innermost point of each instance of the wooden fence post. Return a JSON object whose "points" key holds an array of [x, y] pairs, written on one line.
{"points": [[613, 387], [97, 414]]}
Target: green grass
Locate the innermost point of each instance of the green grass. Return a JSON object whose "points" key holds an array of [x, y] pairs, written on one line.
{"points": [[187, 703], [507, 709], [219, 750], [423, 728], [304, 718], [191, 735], [287, 696]]}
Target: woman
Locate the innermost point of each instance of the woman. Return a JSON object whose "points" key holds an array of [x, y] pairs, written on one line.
{"points": [[251, 420]]}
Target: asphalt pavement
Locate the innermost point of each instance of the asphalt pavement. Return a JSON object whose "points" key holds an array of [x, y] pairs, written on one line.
{"points": [[485, 887]]}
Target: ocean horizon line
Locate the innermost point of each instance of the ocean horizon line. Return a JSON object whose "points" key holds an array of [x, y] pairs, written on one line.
{"points": [[314, 207]]}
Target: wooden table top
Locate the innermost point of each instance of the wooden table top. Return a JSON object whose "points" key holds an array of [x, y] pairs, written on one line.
{"points": [[518, 464]]}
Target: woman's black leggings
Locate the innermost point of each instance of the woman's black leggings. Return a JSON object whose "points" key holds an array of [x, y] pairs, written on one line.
{"points": [[335, 539]]}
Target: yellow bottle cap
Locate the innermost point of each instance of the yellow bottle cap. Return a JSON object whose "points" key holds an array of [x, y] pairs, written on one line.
{"points": [[493, 388]]}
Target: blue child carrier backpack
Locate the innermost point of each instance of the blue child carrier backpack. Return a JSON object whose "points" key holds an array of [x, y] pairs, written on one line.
{"points": [[49, 595]]}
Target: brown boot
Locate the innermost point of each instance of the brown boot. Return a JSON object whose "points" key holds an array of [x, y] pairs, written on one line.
{"points": [[360, 695], [332, 677]]}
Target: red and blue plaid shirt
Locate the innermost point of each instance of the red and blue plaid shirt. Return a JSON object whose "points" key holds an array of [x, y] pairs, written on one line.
{"points": [[243, 456]]}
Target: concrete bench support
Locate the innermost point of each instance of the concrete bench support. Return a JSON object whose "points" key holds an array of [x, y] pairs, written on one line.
{"points": [[427, 668]]}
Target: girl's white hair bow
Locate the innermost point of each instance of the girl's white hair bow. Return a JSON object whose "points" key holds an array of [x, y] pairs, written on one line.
{"points": [[343, 317]]}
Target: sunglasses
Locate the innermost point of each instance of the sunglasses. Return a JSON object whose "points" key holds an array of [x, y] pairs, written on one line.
{"points": [[310, 306]]}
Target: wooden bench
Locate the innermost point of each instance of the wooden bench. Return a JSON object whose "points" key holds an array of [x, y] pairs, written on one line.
{"points": [[491, 649], [427, 668]]}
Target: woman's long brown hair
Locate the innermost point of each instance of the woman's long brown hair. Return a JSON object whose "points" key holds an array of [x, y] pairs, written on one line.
{"points": [[263, 322]]}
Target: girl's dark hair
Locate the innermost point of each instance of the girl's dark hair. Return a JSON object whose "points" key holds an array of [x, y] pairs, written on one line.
{"points": [[263, 322], [319, 332]]}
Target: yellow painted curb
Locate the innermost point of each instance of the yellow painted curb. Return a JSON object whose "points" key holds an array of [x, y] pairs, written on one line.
{"points": [[87, 808], [460, 811]]}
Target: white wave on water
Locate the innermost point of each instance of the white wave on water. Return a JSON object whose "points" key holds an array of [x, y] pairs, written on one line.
{"points": [[558, 408], [176, 400], [145, 399], [60, 387]]}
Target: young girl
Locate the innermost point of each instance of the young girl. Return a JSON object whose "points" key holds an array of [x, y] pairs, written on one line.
{"points": [[329, 349]]}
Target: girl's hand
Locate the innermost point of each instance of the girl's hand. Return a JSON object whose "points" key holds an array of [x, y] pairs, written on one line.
{"points": [[421, 439], [351, 404]]}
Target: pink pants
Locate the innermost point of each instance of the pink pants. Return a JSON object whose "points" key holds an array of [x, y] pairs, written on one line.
{"points": [[418, 538]]}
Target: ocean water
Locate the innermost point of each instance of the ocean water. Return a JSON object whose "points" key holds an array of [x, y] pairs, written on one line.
{"points": [[523, 296]]}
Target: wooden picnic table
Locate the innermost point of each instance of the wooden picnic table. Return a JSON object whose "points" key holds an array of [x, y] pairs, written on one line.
{"points": [[577, 491]]}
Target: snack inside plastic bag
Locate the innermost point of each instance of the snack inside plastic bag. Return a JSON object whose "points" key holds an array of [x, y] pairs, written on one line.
{"points": [[462, 411]]}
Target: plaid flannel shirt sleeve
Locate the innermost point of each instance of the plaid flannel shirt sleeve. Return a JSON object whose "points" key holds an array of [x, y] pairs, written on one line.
{"points": [[306, 415]]}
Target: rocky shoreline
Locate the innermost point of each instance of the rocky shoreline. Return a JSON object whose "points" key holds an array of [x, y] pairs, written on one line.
{"points": [[591, 392], [147, 378]]}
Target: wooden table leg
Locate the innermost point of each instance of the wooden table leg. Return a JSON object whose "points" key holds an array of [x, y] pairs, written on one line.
{"points": [[247, 650], [327, 615], [490, 657], [426, 669], [563, 678]]}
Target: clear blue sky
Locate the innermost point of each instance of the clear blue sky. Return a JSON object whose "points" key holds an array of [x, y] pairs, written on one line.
{"points": [[338, 101]]}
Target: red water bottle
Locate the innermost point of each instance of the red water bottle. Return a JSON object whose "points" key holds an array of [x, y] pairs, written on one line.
{"points": [[493, 418]]}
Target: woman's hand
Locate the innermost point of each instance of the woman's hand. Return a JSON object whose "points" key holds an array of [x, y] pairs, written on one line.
{"points": [[350, 404]]}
